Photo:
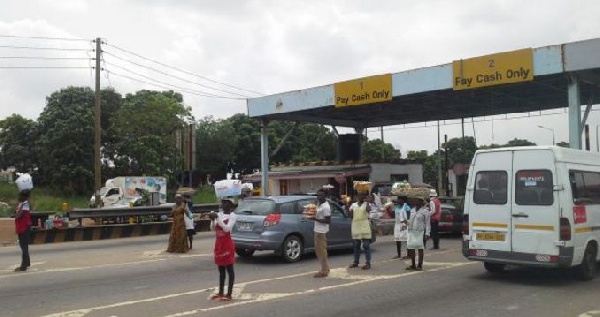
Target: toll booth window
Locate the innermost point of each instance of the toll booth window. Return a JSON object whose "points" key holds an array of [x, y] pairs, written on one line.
{"points": [[490, 188], [534, 187], [585, 187]]}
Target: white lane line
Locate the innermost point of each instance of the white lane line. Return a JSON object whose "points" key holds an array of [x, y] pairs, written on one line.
{"points": [[253, 298], [271, 296], [34, 270]]}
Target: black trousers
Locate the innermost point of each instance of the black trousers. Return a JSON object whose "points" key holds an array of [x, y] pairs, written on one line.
{"points": [[24, 244], [435, 235]]}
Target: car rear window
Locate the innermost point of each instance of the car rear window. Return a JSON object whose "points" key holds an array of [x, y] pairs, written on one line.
{"points": [[255, 207], [534, 187]]}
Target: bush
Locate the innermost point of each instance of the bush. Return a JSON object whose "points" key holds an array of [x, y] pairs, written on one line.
{"points": [[42, 199]]}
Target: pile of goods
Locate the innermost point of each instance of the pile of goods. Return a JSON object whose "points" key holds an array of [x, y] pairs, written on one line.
{"points": [[228, 188], [404, 189], [310, 210], [362, 186]]}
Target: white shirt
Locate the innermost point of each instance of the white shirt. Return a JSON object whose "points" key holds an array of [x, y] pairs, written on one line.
{"points": [[220, 221], [323, 210]]}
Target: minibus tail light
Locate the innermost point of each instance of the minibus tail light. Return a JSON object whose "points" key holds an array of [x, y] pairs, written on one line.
{"points": [[565, 229], [466, 224]]}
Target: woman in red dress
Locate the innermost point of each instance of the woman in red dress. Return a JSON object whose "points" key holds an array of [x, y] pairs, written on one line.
{"points": [[222, 223]]}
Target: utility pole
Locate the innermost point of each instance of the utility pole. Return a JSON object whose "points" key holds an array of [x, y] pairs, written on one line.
{"points": [[446, 183], [439, 160], [97, 129], [382, 146]]}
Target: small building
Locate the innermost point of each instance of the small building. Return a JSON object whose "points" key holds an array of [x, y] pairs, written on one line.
{"points": [[307, 178]]}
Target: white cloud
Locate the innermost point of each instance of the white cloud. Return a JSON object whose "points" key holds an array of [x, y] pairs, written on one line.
{"points": [[274, 46]]}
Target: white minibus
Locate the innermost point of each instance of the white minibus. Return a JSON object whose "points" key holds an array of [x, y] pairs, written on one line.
{"points": [[533, 206]]}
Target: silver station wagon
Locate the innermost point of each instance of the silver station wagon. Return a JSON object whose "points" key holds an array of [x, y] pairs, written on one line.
{"points": [[276, 223]]}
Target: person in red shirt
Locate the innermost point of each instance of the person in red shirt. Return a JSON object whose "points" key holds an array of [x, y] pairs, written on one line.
{"points": [[23, 225], [435, 209]]}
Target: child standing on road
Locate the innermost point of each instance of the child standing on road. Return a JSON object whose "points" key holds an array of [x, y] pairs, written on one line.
{"points": [[189, 219], [222, 223]]}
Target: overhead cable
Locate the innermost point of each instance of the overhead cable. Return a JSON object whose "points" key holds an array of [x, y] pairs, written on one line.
{"points": [[183, 71], [176, 77], [169, 86], [43, 38]]}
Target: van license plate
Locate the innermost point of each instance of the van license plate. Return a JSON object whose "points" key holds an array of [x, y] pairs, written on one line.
{"points": [[488, 236], [244, 226]]}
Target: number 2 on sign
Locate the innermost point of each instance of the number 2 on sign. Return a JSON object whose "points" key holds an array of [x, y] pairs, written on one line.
{"points": [[491, 63]]}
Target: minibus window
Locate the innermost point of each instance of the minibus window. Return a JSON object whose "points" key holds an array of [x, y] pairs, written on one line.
{"points": [[490, 188], [534, 187], [585, 187]]}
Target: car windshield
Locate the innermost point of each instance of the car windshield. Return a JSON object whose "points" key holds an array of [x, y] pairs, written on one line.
{"points": [[255, 207]]}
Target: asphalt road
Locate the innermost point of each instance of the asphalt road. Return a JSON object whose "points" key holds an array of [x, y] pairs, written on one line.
{"points": [[135, 277]]}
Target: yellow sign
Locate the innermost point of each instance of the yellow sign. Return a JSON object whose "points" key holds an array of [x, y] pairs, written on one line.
{"points": [[496, 69], [363, 91]]}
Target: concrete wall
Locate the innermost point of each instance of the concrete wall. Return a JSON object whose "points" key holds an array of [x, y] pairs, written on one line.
{"points": [[381, 172]]}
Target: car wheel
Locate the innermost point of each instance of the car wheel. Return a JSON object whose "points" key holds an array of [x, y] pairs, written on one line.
{"points": [[494, 267], [292, 249], [587, 270], [244, 253]]}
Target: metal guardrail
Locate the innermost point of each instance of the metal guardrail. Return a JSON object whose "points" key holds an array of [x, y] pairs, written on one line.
{"points": [[113, 212]]}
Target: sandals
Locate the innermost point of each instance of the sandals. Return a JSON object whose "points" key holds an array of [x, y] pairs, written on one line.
{"points": [[226, 298], [216, 296]]}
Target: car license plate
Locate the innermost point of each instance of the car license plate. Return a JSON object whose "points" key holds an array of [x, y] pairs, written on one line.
{"points": [[489, 236], [244, 226]]}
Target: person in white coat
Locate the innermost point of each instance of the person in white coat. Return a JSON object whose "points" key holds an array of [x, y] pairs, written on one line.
{"points": [[418, 229]]}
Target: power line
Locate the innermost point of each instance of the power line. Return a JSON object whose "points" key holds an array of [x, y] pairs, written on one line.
{"points": [[45, 58], [43, 48], [183, 71], [165, 87], [43, 67], [528, 116], [167, 84], [176, 77], [43, 38]]}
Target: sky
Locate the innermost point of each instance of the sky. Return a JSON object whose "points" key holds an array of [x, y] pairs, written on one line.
{"points": [[218, 53]]}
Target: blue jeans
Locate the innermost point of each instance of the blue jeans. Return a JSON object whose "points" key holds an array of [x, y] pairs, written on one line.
{"points": [[366, 245]]}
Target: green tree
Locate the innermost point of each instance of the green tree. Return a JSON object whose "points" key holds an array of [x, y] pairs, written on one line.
{"points": [[66, 141], [305, 143], [17, 139], [519, 142], [430, 165], [146, 128], [461, 150], [215, 144], [372, 151], [247, 143]]}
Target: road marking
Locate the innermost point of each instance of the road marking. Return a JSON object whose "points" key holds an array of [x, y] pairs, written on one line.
{"points": [[250, 298], [590, 313], [34, 270], [13, 267]]}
